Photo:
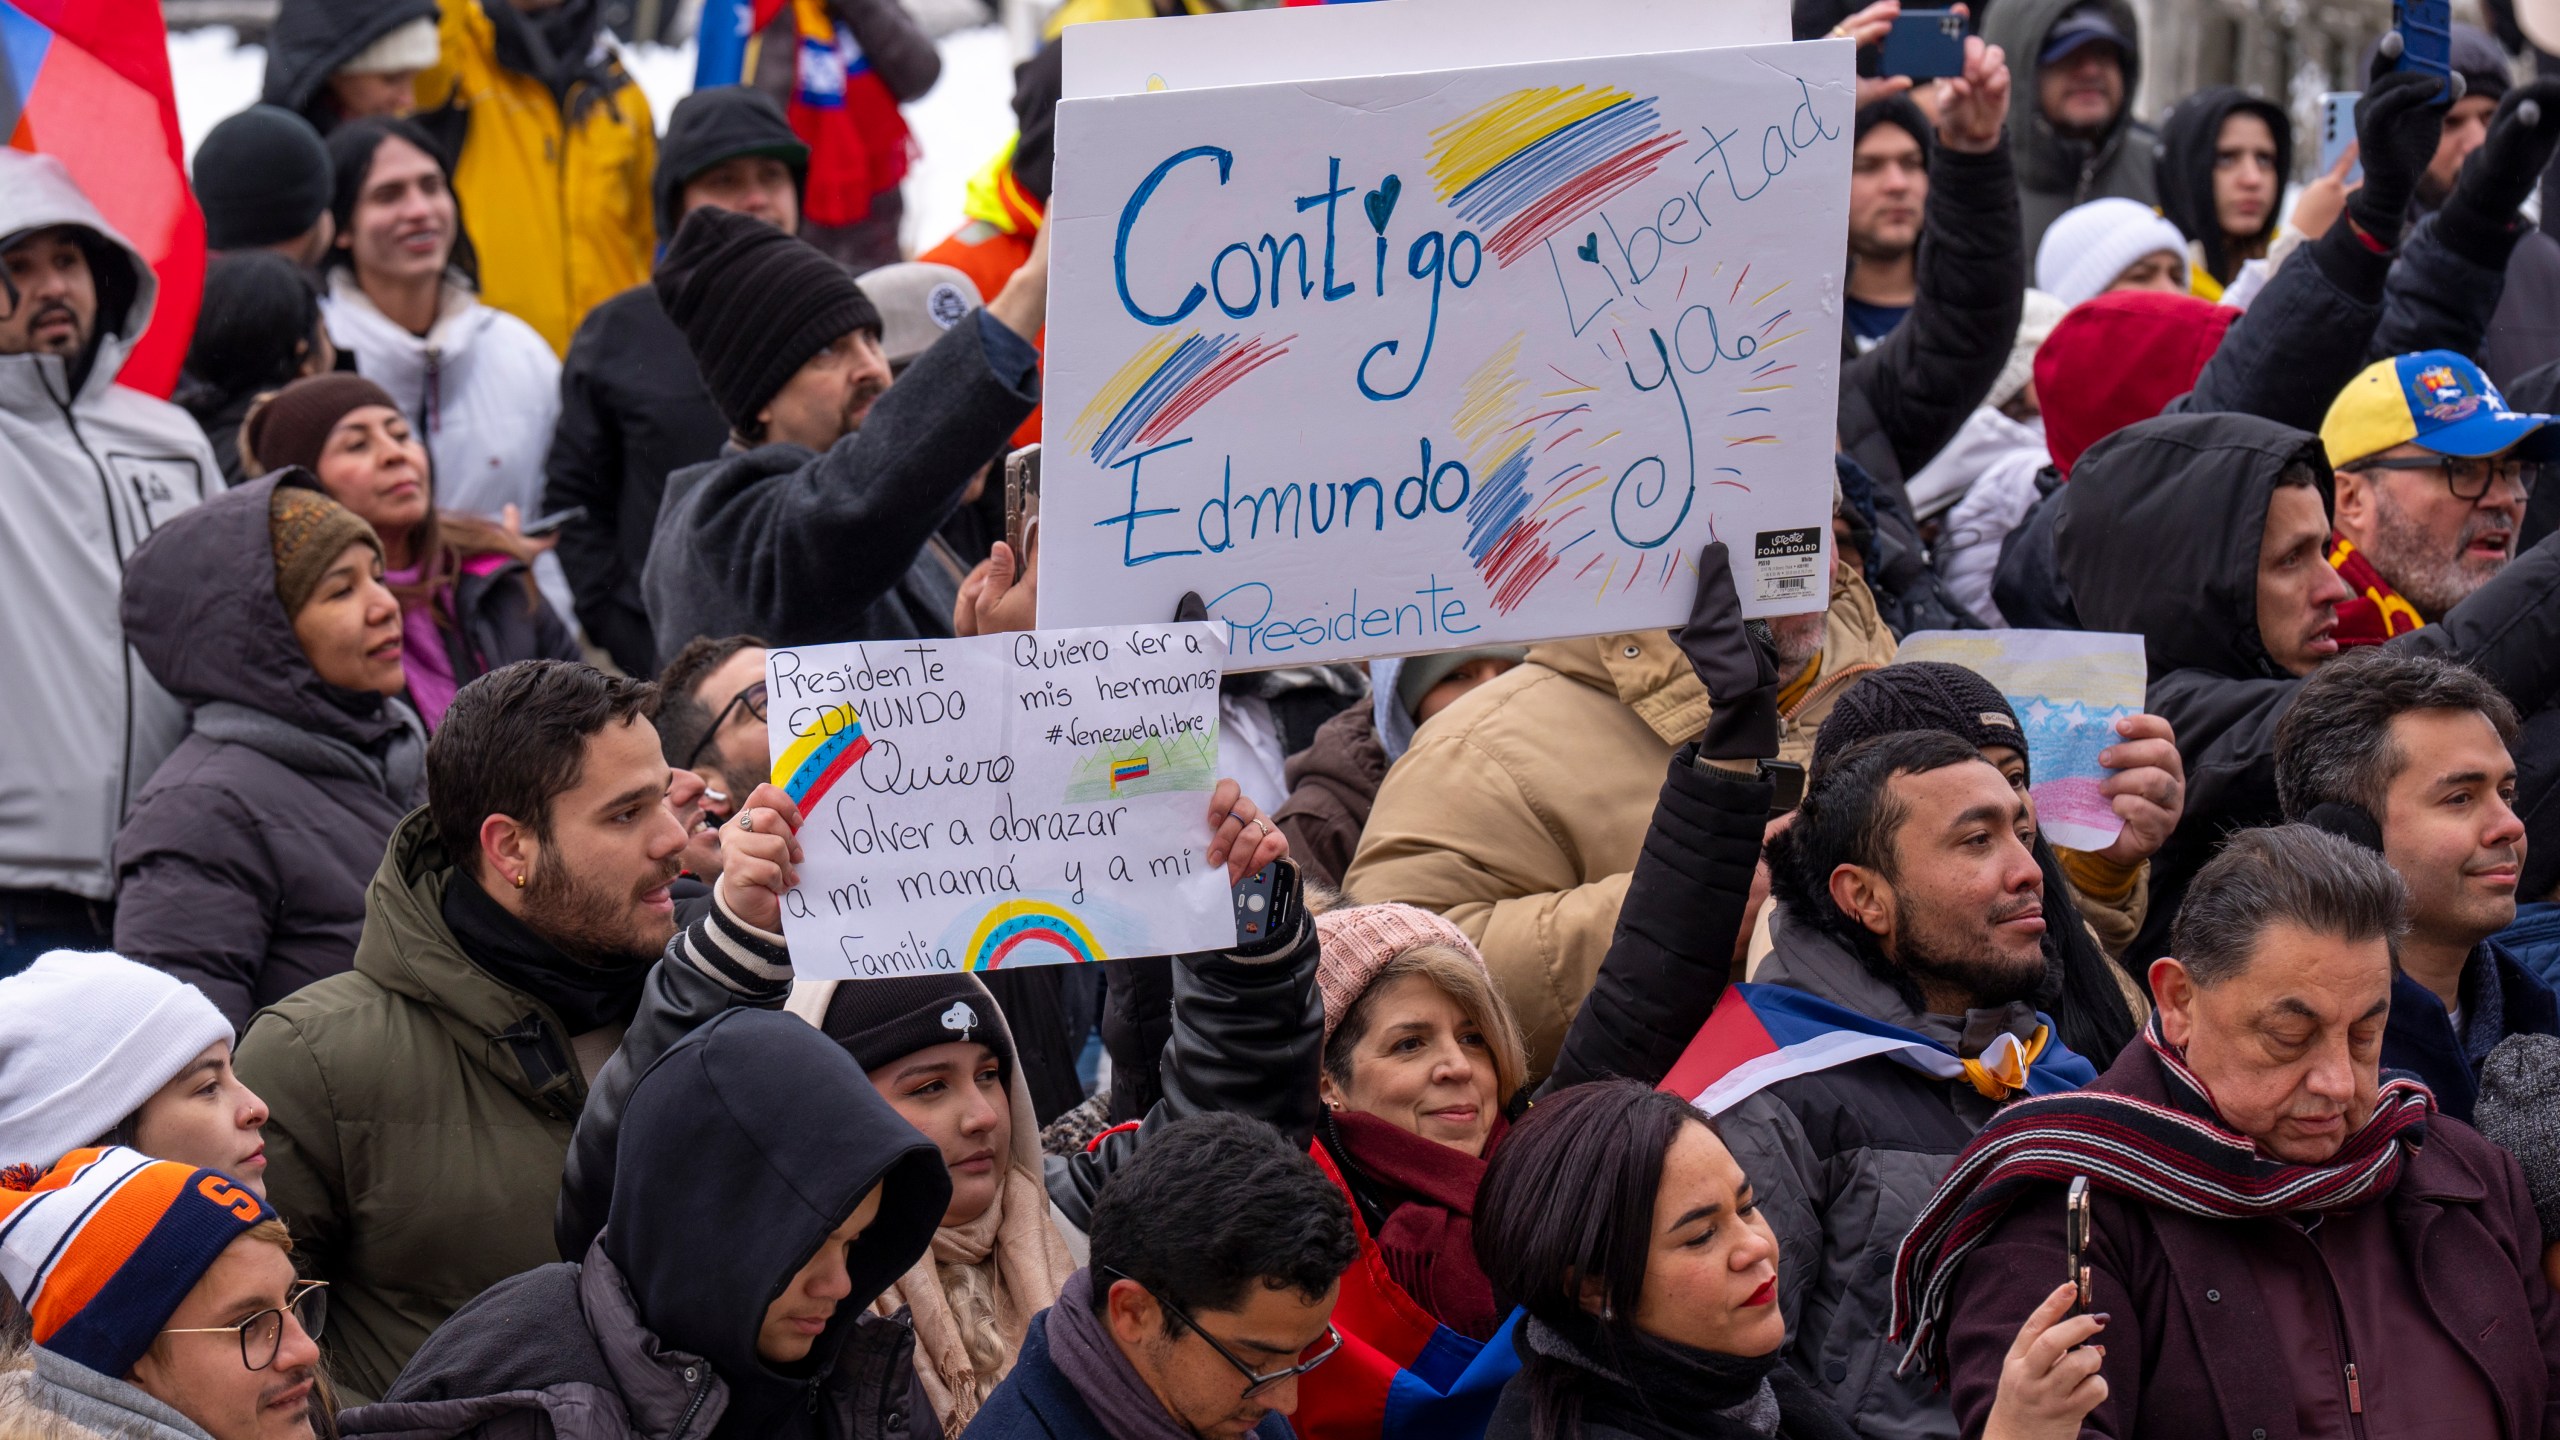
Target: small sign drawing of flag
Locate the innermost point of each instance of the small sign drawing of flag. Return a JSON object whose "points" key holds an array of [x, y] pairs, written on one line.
{"points": [[1123, 770], [815, 761]]}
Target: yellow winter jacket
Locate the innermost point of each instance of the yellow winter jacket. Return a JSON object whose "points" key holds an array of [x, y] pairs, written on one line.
{"points": [[1077, 12], [561, 217]]}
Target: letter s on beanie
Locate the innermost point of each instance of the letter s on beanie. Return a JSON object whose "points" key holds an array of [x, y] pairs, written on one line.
{"points": [[102, 1249], [84, 1040]]}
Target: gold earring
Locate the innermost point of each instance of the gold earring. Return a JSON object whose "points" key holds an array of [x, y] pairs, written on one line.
{"points": [[519, 882]]}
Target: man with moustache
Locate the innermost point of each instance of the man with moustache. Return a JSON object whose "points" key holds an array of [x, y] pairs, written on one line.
{"points": [[2409, 754], [88, 469], [815, 523], [422, 1103], [2280, 1241], [2433, 474], [1910, 927]]}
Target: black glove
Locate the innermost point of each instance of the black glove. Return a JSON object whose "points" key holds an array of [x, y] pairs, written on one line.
{"points": [[1189, 608], [2398, 123], [1738, 674], [2479, 220]]}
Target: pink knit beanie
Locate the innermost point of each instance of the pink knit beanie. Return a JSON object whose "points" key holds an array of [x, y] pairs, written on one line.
{"points": [[1358, 942]]}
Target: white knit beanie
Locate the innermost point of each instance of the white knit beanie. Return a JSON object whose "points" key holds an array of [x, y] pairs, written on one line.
{"points": [[2088, 246], [2036, 320], [410, 46], [84, 1040]]}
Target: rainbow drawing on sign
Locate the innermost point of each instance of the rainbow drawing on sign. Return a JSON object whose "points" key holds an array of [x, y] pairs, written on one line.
{"points": [[1029, 922], [1164, 384], [1128, 770], [818, 759], [1537, 159]]}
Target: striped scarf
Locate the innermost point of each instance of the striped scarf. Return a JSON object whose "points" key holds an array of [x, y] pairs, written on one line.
{"points": [[2178, 1156]]}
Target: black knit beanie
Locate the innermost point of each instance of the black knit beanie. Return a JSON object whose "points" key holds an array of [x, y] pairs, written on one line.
{"points": [[1920, 695], [754, 304], [263, 177], [1899, 110], [881, 1021]]}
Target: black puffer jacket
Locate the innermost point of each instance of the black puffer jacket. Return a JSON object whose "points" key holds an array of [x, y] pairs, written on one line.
{"points": [[242, 869], [2158, 535], [756, 1136], [312, 38], [1901, 402], [633, 408]]}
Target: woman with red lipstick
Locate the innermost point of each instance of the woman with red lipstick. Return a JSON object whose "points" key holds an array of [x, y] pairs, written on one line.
{"points": [[468, 601], [243, 865]]}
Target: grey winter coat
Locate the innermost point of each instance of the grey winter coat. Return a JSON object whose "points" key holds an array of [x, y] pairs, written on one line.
{"points": [[243, 867], [1843, 1161], [2056, 171], [803, 548], [45, 1397]]}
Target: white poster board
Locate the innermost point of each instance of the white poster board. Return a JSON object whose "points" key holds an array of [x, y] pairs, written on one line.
{"points": [[1332, 42], [1028, 799], [1406, 363]]}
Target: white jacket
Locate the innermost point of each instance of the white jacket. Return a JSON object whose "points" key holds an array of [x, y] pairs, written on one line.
{"points": [[1994, 461], [84, 479], [481, 387]]}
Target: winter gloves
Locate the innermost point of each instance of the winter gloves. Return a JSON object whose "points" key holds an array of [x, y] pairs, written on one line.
{"points": [[2398, 123], [1737, 672], [2479, 221]]}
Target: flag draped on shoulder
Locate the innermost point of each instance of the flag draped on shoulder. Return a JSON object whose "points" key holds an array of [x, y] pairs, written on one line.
{"points": [[1762, 1034], [87, 82], [840, 107]]}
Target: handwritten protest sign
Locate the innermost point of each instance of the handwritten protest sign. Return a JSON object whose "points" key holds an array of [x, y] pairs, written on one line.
{"points": [[1401, 363], [1027, 799], [2069, 688]]}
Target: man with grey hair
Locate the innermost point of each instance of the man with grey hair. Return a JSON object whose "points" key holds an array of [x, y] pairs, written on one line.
{"points": [[2279, 1241], [2408, 755]]}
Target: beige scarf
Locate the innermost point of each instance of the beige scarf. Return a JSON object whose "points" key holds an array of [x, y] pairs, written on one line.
{"points": [[971, 1298]]}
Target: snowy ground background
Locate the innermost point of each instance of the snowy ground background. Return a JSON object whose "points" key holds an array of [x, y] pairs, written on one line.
{"points": [[957, 126]]}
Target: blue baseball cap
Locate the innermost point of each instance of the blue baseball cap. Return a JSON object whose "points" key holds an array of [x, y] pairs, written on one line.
{"points": [[2088, 24], [2435, 398]]}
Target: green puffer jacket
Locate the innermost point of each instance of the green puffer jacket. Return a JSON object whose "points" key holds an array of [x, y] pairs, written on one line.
{"points": [[422, 1112]]}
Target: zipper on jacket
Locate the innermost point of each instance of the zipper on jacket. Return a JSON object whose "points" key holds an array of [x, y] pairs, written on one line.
{"points": [[701, 1393], [2355, 1391], [115, 538], [2346, 1343]]}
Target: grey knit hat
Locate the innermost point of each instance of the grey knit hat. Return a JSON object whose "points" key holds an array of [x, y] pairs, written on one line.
{"points": [[2519, 1111]]}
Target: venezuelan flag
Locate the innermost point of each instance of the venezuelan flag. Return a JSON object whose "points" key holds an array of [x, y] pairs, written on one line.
{"points": [[1125, 770], [87, 82], [817, 760]]}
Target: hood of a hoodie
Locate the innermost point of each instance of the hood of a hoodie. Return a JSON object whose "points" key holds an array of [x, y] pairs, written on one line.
{"points": [[2158, 535], [200, 608], [2188, 139], [2046, 158], [2121, 358], [752, 1139], [36, 193], [312, 38], [709, 126]]}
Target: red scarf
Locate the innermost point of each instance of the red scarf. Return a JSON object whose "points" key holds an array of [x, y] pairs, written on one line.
{"points": [[846, 114], [2377, 612], [1428, 1237]]}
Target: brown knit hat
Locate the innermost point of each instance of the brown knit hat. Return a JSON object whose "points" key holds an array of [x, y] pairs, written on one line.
{"points": [[292, 426], [310, 531]]}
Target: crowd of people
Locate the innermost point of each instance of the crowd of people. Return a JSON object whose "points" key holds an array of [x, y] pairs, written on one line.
{"points": [[398, 1035]]}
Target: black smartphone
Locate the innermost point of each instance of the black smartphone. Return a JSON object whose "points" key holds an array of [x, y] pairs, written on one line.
{"points": [[542, 525], [1022, 501], [1925, 45], [1267, 906], [2075, 1243]]}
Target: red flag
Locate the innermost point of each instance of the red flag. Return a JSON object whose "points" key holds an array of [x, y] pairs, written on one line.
{"points": [[88, 83]]}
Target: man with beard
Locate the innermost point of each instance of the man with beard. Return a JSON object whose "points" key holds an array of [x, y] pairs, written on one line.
{"points": [[423, 1102], [1888, 188], [2409, 753], [88, 469], [1912, 919], [2433, 474], [816, 523]]}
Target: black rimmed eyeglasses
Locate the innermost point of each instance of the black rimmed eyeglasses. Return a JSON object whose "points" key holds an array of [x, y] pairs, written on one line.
{"points": [[2467, 478], [1255, 1381], [262, 1334], [750, 700]]}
